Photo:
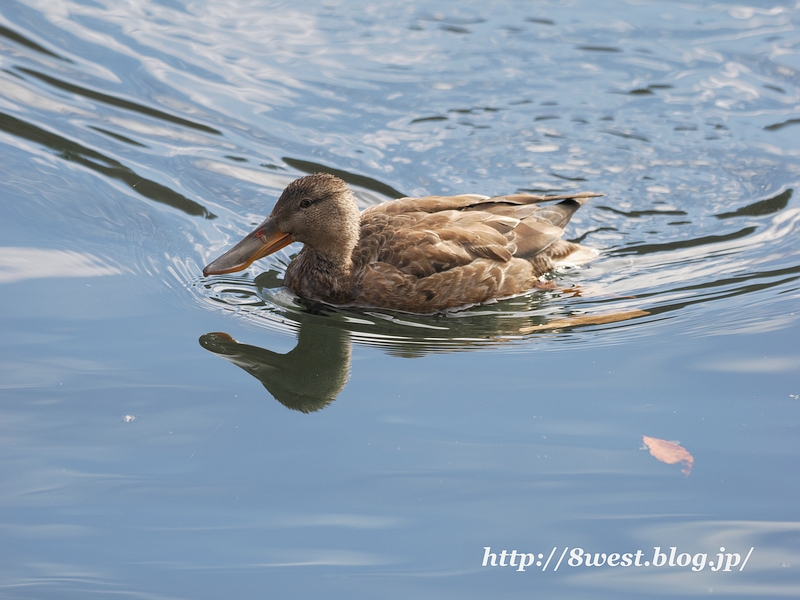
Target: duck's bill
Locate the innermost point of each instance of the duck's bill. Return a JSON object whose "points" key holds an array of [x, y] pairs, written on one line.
{"points": [[263, 241]]}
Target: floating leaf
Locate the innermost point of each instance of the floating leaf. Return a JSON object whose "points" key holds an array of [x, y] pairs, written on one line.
{"points": [[670, 453]]}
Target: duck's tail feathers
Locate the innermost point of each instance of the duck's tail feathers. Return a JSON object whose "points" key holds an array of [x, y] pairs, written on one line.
{"points": [[580, 255]]}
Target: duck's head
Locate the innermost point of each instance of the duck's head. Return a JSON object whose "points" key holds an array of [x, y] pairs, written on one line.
{"points": [[318, 210]]}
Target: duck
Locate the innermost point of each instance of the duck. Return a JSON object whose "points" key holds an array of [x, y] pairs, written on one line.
{"points": [[416, 255]]}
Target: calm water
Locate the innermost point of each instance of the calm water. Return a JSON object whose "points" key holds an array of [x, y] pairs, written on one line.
{"points": [[164, 435]]}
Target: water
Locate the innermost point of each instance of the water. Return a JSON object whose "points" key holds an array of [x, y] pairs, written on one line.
{"points": [[143, 450]]}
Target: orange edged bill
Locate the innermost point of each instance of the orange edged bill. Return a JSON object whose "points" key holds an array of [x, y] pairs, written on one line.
{"points": [[265, 240]]}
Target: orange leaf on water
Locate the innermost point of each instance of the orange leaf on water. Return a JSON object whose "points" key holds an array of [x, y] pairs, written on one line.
{"points": [[670, 453]]}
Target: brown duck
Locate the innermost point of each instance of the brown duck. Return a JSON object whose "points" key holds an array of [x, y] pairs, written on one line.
{"points": [[419, 255]]}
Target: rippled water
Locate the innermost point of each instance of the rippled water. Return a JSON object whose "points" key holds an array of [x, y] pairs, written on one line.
{"points": [[140, 139]]}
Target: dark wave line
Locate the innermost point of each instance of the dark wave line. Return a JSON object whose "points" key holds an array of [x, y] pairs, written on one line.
{"points": [[762, 207], [23, 41], [628, 136], [117, 136], [682, 244], [600, 48], [788, 274], [360, 180], [119, 102], [641, 213], [74, 152], [776, 126], [702, 299]]}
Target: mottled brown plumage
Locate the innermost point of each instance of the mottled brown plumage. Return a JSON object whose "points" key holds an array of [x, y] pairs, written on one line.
{"points": [[419, 255]]}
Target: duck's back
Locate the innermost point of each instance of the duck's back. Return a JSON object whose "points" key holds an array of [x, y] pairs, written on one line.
{"points": [[433, 253]]}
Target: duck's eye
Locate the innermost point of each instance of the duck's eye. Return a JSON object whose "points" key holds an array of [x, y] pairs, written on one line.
{"points": [[305, 202]]}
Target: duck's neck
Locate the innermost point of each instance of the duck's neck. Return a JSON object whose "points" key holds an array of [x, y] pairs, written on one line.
{"points": [[337, 263], [322, 275]]}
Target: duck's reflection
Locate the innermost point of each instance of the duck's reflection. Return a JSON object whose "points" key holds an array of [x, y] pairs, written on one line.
{"points": [[306, 379], [313, 374]]}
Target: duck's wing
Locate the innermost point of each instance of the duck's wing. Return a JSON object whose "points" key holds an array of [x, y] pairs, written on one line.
{"points": [[526, 205], [423, 236], [432, 204]]}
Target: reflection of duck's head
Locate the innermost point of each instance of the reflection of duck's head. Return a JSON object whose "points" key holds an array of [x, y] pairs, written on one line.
{"points": [[307, 379], [418, 255]]}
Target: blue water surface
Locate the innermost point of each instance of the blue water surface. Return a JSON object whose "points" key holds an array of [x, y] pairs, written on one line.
{"points": [[166, 435]]}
